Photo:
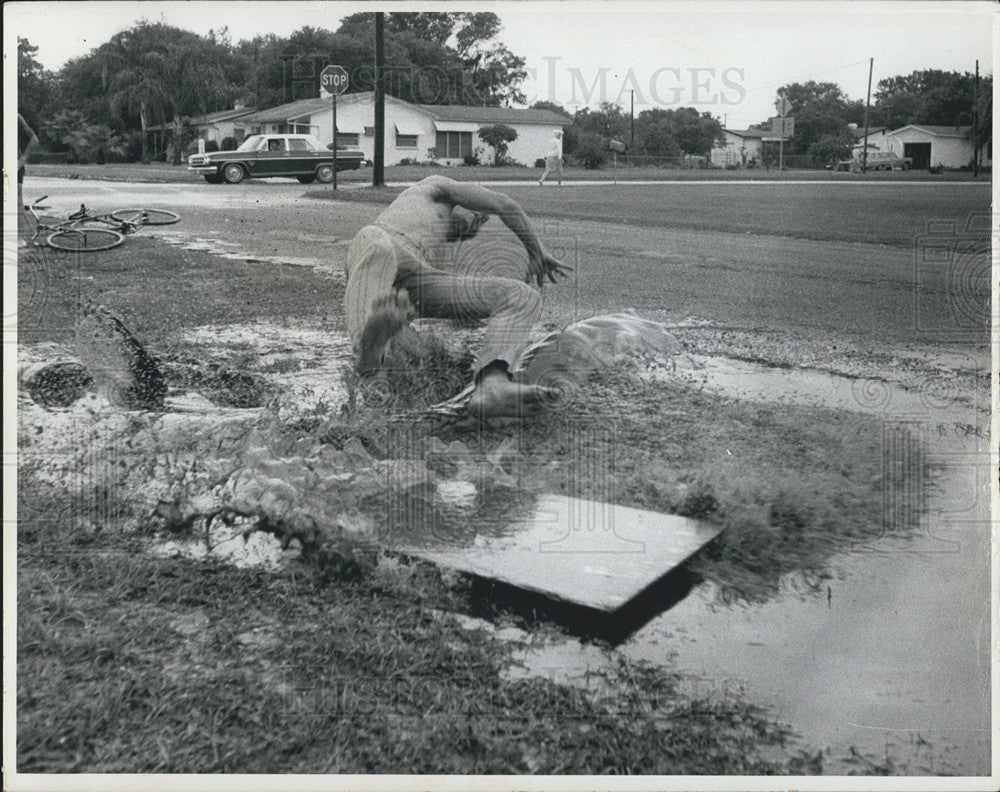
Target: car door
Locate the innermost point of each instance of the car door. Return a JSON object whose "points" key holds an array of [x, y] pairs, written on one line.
{"points": [[301, 158], [269, 159]]}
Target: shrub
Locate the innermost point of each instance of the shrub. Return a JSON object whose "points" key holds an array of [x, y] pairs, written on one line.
{"points": [[228, 143], [831, 148], [590, 150], [540, 162], [471, 159], [211, 145], [498, 136], [50, 157]]}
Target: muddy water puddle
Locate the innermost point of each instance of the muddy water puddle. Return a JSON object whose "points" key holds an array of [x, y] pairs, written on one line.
{"points": [[305, 365], [329, 266], [892, 656]]}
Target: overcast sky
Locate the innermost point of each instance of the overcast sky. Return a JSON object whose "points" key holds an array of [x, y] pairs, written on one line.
{"points": [[724, 58]]}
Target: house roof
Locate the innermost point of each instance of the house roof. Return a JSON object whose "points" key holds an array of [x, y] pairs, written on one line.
{"points": [[749, 133], [483, 115], [283, 112], [496, 115], [221, 115], [937, 131], [859, 133], [208, 119]]}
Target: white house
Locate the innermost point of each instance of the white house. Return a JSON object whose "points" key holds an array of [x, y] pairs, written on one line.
{"points": [[748, 142], [223, 124], [931, 146], [445, 133]]}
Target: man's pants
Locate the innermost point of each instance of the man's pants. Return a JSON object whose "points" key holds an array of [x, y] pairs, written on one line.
{"points": [[552, 165], [511, 307]]}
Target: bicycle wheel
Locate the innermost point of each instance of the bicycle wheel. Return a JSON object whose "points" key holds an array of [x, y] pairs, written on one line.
{"points": [[84, 240], [145, 216]]}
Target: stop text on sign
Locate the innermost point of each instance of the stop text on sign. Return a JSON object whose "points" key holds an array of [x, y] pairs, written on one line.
{"points": [[333, 79]]}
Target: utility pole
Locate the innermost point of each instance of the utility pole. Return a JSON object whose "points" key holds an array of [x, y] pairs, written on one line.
{"points": [[378, 171], [868, 102], [975, 126], [631, 114]]}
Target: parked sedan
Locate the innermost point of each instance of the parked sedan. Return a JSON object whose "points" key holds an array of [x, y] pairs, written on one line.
{"points": [[262, 156]]}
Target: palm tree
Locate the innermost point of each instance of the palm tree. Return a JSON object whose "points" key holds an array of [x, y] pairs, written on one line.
{"points": [[139, 88]]}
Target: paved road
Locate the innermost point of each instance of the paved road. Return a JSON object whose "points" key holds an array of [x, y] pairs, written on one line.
{"points": [[858, 290]]}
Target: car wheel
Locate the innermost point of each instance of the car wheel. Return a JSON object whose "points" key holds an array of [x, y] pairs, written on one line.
{"points": [[213, 178], [233, 173], [325, 173], [307, 179], [906, 166]]}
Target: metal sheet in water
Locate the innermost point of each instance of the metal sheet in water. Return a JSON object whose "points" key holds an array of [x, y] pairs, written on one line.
{"points": [[591, 553]]}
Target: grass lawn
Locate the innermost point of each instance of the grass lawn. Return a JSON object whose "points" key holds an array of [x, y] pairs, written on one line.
{"points": [[795, 209], [162, 172]]}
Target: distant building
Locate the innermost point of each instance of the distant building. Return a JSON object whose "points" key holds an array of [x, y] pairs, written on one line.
{"points": [[444, 133], [209, 127], [930, 146], [750, 141], [874, 135]]}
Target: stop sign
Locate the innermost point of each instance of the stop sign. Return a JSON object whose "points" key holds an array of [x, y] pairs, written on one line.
{"points": [[333, 79]]}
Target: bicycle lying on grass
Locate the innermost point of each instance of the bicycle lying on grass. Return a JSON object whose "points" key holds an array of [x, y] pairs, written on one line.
{"points": [[85, 231]]}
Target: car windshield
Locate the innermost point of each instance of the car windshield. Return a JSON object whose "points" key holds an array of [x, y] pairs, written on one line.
{"points": [[251, 143]]}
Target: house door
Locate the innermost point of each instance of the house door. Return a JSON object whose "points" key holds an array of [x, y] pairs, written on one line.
{"points": [[920, 152]]}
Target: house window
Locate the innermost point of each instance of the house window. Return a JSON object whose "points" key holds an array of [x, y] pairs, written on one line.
{"points": [[301, 129], [406, 141], [347, 139], [454, 145], [369, 131]]}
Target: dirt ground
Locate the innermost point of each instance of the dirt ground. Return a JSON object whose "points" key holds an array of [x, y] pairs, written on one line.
{"points": [[131, 661]]}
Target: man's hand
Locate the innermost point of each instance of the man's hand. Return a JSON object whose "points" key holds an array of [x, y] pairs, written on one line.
{"points": [[544, 265]]}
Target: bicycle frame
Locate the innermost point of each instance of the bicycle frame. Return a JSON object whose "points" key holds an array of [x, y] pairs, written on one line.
{"points": [[110, 224]]}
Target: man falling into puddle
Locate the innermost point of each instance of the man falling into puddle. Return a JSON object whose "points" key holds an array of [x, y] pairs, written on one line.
{"points": [[389, 274]]}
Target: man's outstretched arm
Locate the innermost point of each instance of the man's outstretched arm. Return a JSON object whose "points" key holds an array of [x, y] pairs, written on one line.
{"points": [[479, 199]]}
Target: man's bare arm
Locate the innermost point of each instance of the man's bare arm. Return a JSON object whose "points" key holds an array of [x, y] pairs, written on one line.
{"points": [[479, 199], [32, 141]]}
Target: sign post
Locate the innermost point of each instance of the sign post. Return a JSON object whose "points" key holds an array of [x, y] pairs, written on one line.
{"points": [[334, 80], [782, 105]]}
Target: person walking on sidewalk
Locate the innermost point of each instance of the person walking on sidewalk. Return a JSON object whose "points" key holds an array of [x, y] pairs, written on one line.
{"points": [[553, 158]]}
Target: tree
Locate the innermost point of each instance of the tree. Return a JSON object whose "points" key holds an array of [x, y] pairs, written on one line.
{"points": [[36, 87], [982, 131], [425, 68], [542, 104], [831, 148], [138, 87], [820, 109], [591, 150], [496, 73], [498, 136], [435, 27], [671, 132], [926, 97], [86, 142], [607, 121]]}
